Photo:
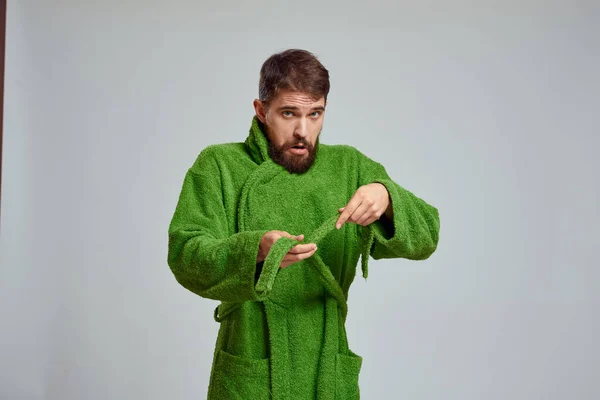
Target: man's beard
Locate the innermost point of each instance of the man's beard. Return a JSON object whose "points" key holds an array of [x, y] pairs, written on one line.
{"points": [[294, 163]]}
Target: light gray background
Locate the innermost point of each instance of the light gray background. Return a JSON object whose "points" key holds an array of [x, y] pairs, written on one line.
{"points": [[489, 111]]}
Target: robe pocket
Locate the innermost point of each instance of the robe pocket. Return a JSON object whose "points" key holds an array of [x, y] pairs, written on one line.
{"points": [[347, 369], [240, 378]]}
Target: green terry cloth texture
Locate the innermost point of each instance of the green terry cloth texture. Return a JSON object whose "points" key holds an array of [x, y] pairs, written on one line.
{"points": [[282, 331]]}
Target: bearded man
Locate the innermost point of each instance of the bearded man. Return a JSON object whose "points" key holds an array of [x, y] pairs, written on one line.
{"points": [[274, 228]]}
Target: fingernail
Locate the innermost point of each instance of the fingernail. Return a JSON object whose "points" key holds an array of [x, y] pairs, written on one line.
{"points": [[337, 226]]}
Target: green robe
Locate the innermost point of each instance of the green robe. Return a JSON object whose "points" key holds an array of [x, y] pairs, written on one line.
{"points": [[282, 332]]}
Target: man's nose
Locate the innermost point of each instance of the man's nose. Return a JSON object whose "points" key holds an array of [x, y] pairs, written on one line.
{"points": [[301, 130]]}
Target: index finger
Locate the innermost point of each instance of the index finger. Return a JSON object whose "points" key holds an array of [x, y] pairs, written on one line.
{"points": [[349, 209], [290, 236], [302, 248]]}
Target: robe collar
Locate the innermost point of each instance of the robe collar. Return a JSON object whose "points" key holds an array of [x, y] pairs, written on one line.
{"points": [[257, 145], [256, 142]]}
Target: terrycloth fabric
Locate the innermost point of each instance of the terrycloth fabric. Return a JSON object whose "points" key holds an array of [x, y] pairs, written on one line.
{"points": [[282, 332]]}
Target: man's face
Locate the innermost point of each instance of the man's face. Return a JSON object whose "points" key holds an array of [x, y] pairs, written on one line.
{"points": [[293, 122]]}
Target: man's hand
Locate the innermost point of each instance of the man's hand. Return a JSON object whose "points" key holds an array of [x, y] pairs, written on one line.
{"points": [[296, 253], [367, 205]]}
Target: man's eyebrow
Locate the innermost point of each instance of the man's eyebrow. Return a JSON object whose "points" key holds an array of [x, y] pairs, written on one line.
{"points": [[294, 108]]}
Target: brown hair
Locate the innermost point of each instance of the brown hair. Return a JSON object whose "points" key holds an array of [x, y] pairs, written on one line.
{"points": [[293, 69]]}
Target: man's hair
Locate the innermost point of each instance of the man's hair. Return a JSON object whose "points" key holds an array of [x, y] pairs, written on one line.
{"points": [[293, 69]]}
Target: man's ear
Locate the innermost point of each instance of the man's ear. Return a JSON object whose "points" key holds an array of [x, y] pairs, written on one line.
{"points": [[260, 110]]}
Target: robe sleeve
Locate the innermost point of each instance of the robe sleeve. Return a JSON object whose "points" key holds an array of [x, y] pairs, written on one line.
{"points": [[203, 255], [413, 233]]}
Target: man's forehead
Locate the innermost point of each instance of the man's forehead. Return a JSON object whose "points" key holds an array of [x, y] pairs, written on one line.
{"points": [[293, 99]]}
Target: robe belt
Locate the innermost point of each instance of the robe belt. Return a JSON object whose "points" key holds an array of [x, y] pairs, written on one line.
{"points": [[282, 247]]}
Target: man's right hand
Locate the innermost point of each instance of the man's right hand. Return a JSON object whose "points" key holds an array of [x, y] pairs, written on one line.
{"points": [[296, 253]]}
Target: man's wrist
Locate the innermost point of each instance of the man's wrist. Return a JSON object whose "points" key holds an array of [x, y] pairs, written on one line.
{"points": [[258, 271], [389, 211]]}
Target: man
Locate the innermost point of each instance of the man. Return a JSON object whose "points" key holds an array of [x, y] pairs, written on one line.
{"points": [[274, 227]]}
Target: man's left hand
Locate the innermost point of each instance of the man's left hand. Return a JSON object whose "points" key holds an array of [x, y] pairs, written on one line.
{"points": [[366, 206]]}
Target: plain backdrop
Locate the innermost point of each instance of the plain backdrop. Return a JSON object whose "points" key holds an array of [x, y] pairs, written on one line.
{"points": [[487, 110]]}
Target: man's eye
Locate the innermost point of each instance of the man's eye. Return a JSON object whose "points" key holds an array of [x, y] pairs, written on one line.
{"points": [[287, 113], [316, 114]]}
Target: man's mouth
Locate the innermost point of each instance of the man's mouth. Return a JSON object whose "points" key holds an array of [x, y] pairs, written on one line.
{"points": [[299, 149]]}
